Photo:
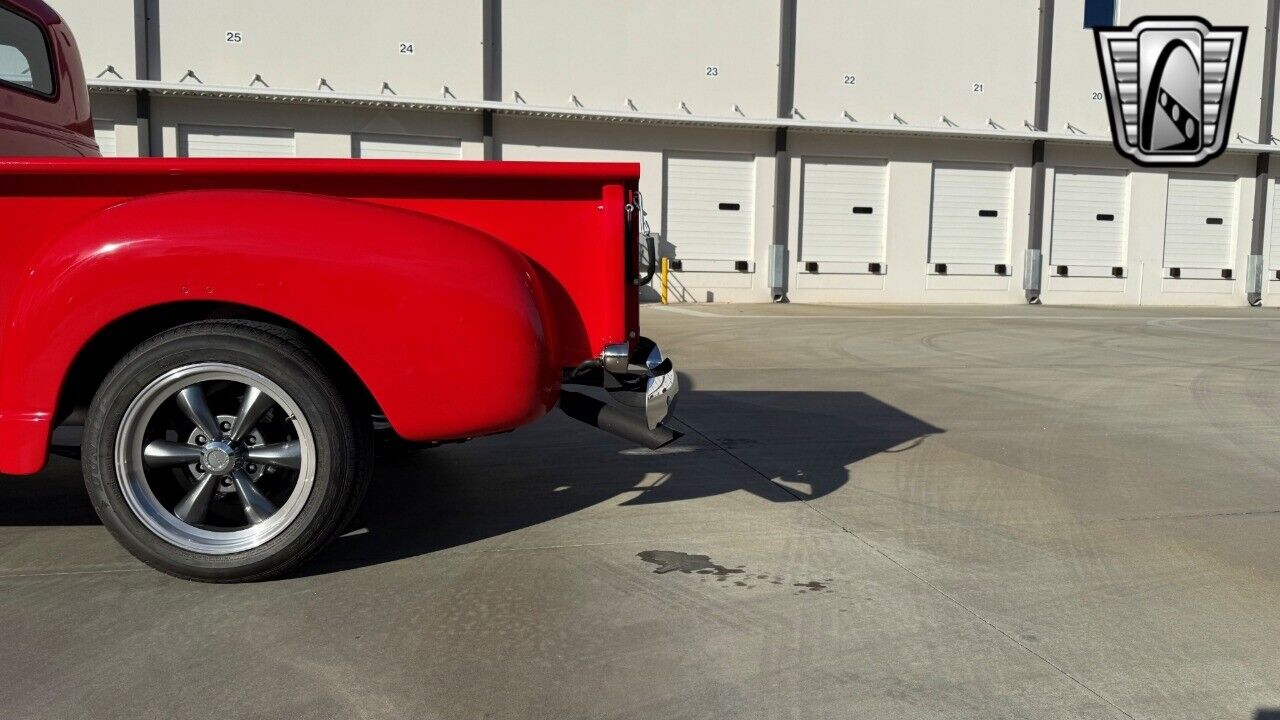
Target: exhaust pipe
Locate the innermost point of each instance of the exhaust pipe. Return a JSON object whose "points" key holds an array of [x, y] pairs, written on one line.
{"points": [[612, 419]]}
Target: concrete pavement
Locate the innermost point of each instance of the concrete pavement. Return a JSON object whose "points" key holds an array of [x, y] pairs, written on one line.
{"points": [[881, 512]]}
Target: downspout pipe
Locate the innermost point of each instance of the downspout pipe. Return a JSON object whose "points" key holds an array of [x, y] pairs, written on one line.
{"points": [[1032, 265], [778, 265], [1262, 172]]}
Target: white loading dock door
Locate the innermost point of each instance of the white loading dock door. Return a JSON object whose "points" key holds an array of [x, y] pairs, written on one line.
{"points": [[969, 223], [210, 141], [104, 131], [1200, 222], [406, 147], [1272, 233], [842, 218], [710, 210], [1090, 210]]}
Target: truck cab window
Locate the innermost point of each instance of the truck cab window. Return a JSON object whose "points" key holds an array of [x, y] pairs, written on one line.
{"points": [[24, 54]]}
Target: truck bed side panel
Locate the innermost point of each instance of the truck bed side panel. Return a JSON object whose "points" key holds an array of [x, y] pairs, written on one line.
{"points": [[412, 284]]}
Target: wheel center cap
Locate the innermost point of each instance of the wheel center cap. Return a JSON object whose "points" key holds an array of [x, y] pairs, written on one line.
{"points": [[219, 458]]}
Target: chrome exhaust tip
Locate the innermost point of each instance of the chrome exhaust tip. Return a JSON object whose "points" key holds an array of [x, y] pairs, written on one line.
{"points": [[630, 426]]}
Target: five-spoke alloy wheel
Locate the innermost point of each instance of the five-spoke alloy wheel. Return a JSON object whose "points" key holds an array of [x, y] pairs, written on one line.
{"points": [[224, 451]]}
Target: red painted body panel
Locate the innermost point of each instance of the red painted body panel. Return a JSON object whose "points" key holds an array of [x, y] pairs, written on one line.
{"points": [[457, 291]]}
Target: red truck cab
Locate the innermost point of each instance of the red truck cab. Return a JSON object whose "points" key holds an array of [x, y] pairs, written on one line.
{"points": [[44, 101], [228, 332]]}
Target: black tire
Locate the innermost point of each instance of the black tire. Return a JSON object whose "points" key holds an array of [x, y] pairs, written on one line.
{"points": [[341, 432]]}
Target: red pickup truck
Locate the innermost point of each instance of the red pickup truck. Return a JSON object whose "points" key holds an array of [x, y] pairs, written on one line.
{"points": [[228, 333]]}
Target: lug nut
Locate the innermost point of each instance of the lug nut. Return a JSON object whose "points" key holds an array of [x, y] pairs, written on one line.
{"points": [[226, 425], [201, 439], [252, 468]]}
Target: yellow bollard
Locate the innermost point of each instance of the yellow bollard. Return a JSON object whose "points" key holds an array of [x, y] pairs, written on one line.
{"points": [[666, 267]]}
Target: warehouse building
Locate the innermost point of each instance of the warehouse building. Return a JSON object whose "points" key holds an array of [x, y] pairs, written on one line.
{"points": [[817, 150]]}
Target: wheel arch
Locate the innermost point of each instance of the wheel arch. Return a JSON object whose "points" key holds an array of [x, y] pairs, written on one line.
{"points": [[112, 342]]}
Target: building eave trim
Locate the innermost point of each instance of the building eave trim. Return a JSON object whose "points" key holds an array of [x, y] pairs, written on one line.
{"points": [[263, 94]]}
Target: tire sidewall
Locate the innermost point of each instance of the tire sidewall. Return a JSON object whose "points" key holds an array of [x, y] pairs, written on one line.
{"points": [[302, 379]]}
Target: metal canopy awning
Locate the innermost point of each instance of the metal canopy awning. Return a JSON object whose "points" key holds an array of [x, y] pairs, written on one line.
{"points": [[265, 94]]}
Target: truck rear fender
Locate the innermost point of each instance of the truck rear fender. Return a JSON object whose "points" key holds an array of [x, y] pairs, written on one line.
{"points": [[413, 303]]}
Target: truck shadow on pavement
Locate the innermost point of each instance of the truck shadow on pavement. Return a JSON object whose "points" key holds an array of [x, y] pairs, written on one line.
{"points": [[54, 497], [779, 446]]}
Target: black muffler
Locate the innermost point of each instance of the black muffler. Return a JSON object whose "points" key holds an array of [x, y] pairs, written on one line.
{"points": [[629, 426]]}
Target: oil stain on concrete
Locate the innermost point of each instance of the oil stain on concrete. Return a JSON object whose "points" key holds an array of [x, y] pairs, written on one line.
{"points": [[671, 560], [811, 586], [675, 561]]}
